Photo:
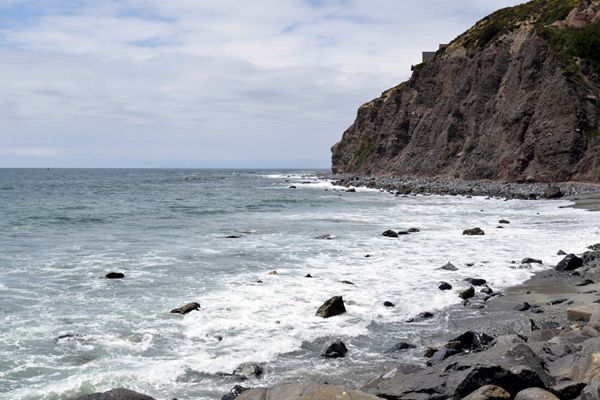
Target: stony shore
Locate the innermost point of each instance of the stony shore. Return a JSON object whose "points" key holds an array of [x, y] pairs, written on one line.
{"points": [[538, 340]]}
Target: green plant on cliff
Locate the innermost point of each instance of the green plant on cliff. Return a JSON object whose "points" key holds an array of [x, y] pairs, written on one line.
{"points": [[366, 150], [575, 44]]}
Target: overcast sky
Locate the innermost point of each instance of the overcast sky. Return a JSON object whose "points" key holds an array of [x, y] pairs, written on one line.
{"points": [[204, 83]]}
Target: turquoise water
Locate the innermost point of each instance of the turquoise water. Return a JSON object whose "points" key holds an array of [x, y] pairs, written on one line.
{"points": [[61, 231]]}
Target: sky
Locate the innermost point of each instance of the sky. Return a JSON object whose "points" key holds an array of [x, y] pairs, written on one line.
{"points": [[204, 83]]}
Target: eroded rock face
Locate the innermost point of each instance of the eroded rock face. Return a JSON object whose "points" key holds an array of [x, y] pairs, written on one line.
{"points": [[505, 110]]}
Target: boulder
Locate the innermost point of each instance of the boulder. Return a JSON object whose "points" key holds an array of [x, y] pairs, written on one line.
{"points": [[504, 221], [489, 392], [413, 230], [249, 370], [474, 232], [390, 233], [487, 290], [347, 282], [582, 312], [509, 364], [475, 281], [332, 307], [470, 341], [336, 349], [325, 237], [305, 391], [400, 346], [445, 286], [553, 192], [522, 306], [388, 304], [308, 276], [292, 187], [234, 392], [535, 394], [467, 293], [115, 275], [351, 190], [189, 307], [529, 260], [449, 267], [569, 263], [591, 391], [115, 394], [567, 389], [233, 237], [561, 253], [585, 282], [421, 317]]}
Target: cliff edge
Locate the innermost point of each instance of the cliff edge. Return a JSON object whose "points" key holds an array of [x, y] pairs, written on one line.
{"points": [[516, 96]]}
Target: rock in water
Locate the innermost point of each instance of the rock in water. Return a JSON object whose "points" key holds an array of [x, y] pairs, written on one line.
{"points": [[535, 394], [522, 306], [569, 263], [390, 233], [388, 304], [115, 275], [332, 307], [234, 392], [248, 370], [336, 349], [528, 260], [504, 221], [445, 286], [449, 267], [553, 192], [189, 307], [400, 346], [467, 293], [475, 281], [421, 317], [474, 232], [489, 392], [115, 394]]}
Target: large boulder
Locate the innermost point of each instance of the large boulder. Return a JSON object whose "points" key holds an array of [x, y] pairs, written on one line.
{"points": [[189, 307], [248, 370], [234, 392], [569, 263], [510, 364], [336, 349], [474, 232], [332, 307], [489, 392], [305, 391], [535, 394], [553, 192], [467, 293], [390, 233], [115, 394]]}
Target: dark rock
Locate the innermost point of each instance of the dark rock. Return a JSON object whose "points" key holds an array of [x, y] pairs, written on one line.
{"points": [[233, 237], [421, 317], [558, 301], [487, 290], [367, 255], [561, 253], [336, 349], [259, 281], [475, 281], [292, 187], [489, 392], [449, 267], [535, 394], [528, 260], [591, 391], [442, 354], [332, 307], [445, 286], [522, 306], [504, 221], [115, 394], [470, 341], [403, 233], [186, 308], [308, 276], [586, 282], [536, 310], [325, 237], [347, 282], [474, 232], [350, 190], [68, 337], [567, 390], [467, 293], [248, 370], [413, 230], [388, 304], [390, 233], [400, 346], [234, 392], [115, 275], [569, 263], [553, 192]]}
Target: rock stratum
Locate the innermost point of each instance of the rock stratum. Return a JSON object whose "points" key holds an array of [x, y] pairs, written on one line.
{"points": [[516, 96]]}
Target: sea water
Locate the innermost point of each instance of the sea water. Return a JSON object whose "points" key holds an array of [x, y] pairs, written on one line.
{"points": [[62, 230]]}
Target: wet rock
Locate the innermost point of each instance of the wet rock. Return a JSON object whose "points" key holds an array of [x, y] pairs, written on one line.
{"points": [[553, 192], [68, 337], [535, 394], [233, 237], [403, 233], [308, 276], [350, 190], [561, 253], [234, 392], [292, 187], [388, 304], [475, 281], [421, 317], [305, 391], [273, 273], [332, 307], [449, 267], [504, 221], [259, 281], [347, 282], [567, 389], [558, 301], [442, 354], [487, 290], [400, 346], [585, 282], [413, 230], [189, 307], [467, 293], [390, 233], [569, 263], [445, 286], [522, 306], [325, 237], [249, 370], [470, 341], [336, 349], [489, 392], [474, 232], [115, 275], [115, 394], [528, 260]]}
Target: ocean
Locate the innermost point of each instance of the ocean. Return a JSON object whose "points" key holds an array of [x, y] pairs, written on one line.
{"points": [[62, 230]]}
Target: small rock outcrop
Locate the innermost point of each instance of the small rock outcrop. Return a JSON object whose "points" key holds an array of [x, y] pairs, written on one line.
{"points": [[115, 275], [115, 394], [474, 232], [569, 263], [332, 307], [186, 308], [336, 349]]}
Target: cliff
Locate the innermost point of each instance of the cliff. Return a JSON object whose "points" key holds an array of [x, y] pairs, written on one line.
{"points": [[515, 96]]}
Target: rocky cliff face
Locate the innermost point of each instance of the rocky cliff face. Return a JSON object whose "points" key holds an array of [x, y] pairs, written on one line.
{"points": [[517, 95]]}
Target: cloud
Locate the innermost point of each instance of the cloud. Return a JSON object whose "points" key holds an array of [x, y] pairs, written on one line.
{"points": [[206, 83]]}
